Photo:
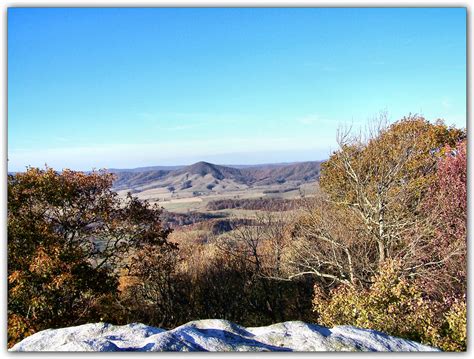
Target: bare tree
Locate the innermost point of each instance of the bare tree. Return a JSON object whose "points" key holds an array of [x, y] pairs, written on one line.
{"points": [[374, 185], [330, 244], [260, 243]]}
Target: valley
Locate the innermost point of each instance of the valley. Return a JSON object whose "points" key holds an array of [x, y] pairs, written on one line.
{"points": [[191, 188]]}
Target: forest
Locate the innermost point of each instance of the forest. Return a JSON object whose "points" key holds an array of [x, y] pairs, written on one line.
{"points": [[382, 245]]}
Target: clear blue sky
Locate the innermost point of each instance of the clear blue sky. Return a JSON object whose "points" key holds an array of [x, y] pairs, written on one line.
{"points": [[135, 87]]}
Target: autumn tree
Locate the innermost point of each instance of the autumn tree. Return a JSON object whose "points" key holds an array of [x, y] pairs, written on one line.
{"points": [[68, 233], [369, 209], [329, 243], [261, 242], [445, 206], [387, 237], [383, 178], [258, 249], [152, 289]]}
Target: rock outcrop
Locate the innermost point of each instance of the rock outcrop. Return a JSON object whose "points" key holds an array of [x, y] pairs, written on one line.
{"points": [[214, 335]]}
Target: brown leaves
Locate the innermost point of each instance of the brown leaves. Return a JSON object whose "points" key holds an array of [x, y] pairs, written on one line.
{"points": [[68, 234], [383, 179]]}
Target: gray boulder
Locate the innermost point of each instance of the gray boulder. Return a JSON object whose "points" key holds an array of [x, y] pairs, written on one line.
{"points": [[214, 335]]}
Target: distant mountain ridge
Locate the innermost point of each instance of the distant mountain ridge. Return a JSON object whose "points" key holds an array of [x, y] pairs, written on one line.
{"points": [[205, 176], [145, 169], [217, 171]]}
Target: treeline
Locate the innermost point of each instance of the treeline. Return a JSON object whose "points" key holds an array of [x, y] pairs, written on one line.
{"points": [[214, 223], [382, 247], [174, 219], [255, 204], [202, 280], [273, 191]]}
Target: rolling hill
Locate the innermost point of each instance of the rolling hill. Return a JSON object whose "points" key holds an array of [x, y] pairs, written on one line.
{"points": [[204, 177]]}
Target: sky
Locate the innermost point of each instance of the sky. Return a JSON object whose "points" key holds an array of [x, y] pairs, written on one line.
{"points": [[124, 88]]}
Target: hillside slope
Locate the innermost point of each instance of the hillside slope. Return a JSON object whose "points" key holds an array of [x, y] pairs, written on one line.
{"points": [[208, 177]]}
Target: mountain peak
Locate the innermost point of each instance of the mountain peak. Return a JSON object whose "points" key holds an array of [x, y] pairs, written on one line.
{"points": [[219, 172], [203, 164]]}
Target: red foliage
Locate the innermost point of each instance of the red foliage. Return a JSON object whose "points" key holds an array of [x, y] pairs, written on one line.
{"points": [[448, 198], [446, 206]]}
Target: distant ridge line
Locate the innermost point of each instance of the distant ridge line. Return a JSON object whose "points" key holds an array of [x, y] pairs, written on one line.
{"points": [[177, 167], [202, 177]]}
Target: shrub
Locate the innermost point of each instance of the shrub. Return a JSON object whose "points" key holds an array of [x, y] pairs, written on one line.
{"points": [[454, 336], [396, 306]]}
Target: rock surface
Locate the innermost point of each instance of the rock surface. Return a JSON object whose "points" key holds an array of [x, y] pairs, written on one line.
{"points": [[214, 335]]}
